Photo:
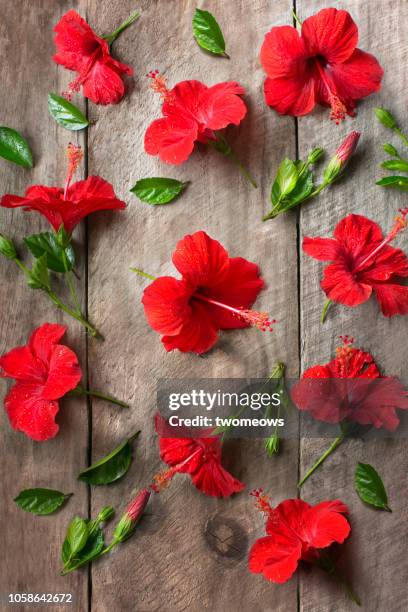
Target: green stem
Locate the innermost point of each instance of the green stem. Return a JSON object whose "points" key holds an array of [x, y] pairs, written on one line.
{"points": [[296, 18], [323, 458], [401, 135], [90, 328], [81, 391], [222, 146], [326, 307], [275, 210], [110, 38], [70, 283], [144, 274], [327, 564], [245, 173]]}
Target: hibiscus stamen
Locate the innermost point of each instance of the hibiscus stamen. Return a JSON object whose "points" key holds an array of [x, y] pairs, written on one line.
{"points": [[400, 223], [73, 87], [162, 479], [254, 318], [75, 156], [338, 108], [159, 85], [343, 354], [262, 501]]}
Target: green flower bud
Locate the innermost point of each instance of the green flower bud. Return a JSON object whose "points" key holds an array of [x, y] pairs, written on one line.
{"points": [[315, 155], [105, 514], [391, 150], [7, 247], [385, 117], [272, 445]]}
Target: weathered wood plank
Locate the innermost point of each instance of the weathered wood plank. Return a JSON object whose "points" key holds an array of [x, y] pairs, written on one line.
{"points": [[31, 545], [375, 557], [173, 563]]}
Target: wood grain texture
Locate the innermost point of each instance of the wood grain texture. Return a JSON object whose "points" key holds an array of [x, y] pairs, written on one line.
{"points": [[375, 556], [31, 545], [191, 552]]}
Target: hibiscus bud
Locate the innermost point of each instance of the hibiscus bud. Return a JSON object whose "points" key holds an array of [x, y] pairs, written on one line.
{"points": [[132, 516], [341, 158], [385, 117], [315, 155], [391, 150], [7, 247]]}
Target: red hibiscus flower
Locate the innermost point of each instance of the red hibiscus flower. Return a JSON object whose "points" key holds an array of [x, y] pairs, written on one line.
{"points": [[81, 50], [215, 292], [362, 262], [44, 371], [198, 457], [319, 66], [368, 398], [70, 205], [296, 531]]}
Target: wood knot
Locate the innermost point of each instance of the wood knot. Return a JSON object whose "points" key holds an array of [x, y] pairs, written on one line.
{"points": [[226, 537]]}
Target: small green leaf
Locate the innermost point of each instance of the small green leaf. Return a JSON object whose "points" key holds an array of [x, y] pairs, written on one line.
{"points": [[77, 535], [157, 190], [208, 33], [66, 114], [369, 486], [7, 247], [14, 148], [47, 243], [285, 181], [93, 547], [390, 149], [303, 188], [38, 277], [395, 182], [41, 501], [396, 164], [111, 467]]}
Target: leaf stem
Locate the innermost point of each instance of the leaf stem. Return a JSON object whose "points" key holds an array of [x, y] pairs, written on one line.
{"points": [[221, 145], [327, 564], [245, 173], [110, 38], [326, 307], [323, 458], [296, 18], [90, 392], [144, 274]]}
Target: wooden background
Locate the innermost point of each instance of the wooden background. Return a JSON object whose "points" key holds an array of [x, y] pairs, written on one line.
{"points": [[190, 553]]}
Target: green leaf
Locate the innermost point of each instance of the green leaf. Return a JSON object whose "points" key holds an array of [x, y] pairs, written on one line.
{"points": [[77, 535], [285, 181], [111, 467], [47, 243], [157, 190], [396, 164], [38, 276], [395, 182], [41, 501], [93, 547], [14, 148], [66, 114], [302, 190], [208, 33], [369, 486]]}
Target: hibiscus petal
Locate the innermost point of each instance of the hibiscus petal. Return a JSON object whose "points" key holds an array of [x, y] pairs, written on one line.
{"points": [[291, 96], [358, 77], [393, 298], [325, 524], [166, 304], [43, 340], [283, 53], [171, 138], [103, 85], [184, 100], [340, 286], [358, 235], [64, 373], [331, 34], [201, 260], [387, 263], [239, 288], [45, 200], [75, 41], [276, 558], [21, 364], [213, 480], [378, 403], [198, 334], [221, 105], [323, 249], [30, 413]]}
